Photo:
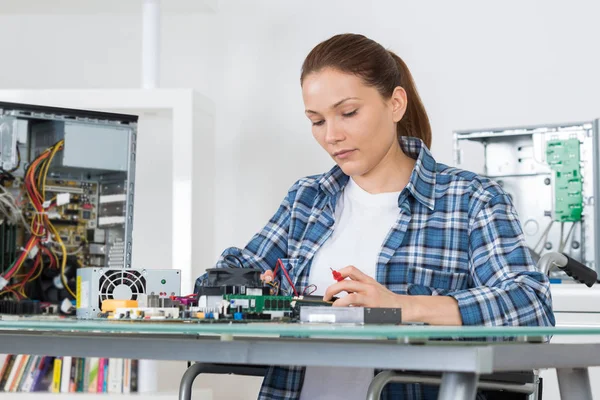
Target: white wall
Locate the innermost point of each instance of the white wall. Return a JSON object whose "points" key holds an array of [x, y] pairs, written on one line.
{"points": [[476, 65]]}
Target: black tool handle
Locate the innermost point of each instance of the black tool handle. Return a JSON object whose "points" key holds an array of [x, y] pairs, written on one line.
{"points": [[580, 272]]}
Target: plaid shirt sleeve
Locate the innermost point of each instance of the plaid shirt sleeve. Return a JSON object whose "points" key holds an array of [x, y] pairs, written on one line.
{"points": [[266, 246], [508, 288]]}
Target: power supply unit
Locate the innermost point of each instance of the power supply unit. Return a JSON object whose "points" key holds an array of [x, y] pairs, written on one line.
{"points": [[95, 285]]}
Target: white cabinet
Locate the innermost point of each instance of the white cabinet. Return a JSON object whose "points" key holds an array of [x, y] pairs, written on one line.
{"points": [[574, 305]]}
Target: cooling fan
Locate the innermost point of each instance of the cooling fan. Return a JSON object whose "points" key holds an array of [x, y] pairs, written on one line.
{"points": [[121, 284]]}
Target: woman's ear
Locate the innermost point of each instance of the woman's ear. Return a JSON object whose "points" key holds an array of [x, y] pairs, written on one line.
{"points": [[399, 103]]}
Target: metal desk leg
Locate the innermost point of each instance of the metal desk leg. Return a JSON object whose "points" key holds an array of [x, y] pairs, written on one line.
{"points": [[378, 383], [574, 383], [185, 387], [458, 386]]}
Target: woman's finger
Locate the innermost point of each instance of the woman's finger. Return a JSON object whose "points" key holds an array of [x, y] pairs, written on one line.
{"points": [[344, 286], [354, 299]]}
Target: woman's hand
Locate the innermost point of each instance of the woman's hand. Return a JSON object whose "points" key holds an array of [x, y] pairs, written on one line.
{"points": [[363, 291]]}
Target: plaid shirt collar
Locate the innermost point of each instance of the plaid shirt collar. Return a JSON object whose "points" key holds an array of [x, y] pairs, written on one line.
{"points": [[421, 183]]}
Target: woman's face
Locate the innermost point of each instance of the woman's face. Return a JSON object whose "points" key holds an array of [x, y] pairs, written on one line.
{"points": [[351, 120]]}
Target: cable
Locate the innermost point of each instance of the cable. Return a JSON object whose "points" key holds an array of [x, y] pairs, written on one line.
{"points": [[18, 160], [562, 228], [544, 235], [29, 275], [48, 156], [564, 244], [9, 209], [238, 262], [64, 260], [280, 264], [311, 292], [41, 258], [58, 146], [19, 261], [275, 286], [35, 182]]}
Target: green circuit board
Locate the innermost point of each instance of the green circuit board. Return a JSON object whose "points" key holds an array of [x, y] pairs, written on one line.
{"points": [[563, 156], [259, 303]]}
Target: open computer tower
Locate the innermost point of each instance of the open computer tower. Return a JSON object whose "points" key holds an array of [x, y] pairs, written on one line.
{"points": [[67, 182], [551, 174]]}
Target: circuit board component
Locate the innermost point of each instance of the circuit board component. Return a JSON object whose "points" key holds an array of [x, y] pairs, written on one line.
{"points": [[564, 158]]}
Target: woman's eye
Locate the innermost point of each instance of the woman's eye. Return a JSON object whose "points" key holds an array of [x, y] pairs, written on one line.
{"points": [[318, 123], [351, 113]]}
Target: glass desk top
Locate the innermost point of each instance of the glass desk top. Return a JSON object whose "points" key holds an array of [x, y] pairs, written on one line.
{"points": [[31, 324]]}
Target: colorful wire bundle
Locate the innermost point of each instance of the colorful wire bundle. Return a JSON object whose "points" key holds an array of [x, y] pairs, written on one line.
{"points": [[42, 230]]}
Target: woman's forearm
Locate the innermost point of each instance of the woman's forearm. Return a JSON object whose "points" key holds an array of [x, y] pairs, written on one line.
{"points": [[434, 310]]}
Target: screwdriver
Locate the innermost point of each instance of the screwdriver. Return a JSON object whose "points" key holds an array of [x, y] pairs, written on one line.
{"points": [[336, 275]]}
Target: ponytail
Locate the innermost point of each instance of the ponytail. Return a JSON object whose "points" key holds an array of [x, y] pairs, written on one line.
{"points": [[415, 122]]}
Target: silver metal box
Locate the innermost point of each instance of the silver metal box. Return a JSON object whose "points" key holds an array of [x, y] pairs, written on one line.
{"points": [[519, 159], [107, 147]]}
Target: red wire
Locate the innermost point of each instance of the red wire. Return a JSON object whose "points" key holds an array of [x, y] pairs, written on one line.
{"points": [[30, 274], [280, 263], [21, 258], [314, 289], [38, 227], [47, 251]]}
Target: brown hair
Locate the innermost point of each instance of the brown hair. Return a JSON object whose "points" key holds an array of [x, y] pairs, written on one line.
{"points": [[379, 68]]}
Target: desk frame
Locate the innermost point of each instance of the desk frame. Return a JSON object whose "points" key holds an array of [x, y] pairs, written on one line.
{"points": [[460, 362]]}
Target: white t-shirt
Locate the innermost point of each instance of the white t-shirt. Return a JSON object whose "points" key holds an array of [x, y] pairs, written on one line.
{"points": [[362, 222]]}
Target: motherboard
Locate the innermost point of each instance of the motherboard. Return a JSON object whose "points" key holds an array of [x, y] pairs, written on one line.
{"points": [[238, 295]]}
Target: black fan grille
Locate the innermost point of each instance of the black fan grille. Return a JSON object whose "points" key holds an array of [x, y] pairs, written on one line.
{"points": [[113, 278]]}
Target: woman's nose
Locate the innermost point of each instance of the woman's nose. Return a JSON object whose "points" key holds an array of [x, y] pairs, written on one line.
{"points": [[334, 133]]}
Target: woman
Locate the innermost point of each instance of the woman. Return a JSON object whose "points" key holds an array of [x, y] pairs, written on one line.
{"points": [[444, 245]]}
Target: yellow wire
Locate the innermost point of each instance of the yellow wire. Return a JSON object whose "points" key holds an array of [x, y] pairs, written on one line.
{"points": [[33, 173], [55, 150], [27, 250], [40, 219], [64, 259], [33, 278], [42, 177], [42, 182], [44, 165], [51, 227], [55, 256], [6, 291]]}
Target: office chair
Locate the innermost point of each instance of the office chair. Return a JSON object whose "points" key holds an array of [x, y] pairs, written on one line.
{"points": [[524, 385], [195, 369]]}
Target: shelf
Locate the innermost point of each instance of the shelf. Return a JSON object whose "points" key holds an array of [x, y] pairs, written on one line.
{"points": [[106, 7], [197, 394]]}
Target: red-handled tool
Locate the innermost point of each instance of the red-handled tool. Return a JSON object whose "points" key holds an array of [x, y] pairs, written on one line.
{"points": [[336, 275]]}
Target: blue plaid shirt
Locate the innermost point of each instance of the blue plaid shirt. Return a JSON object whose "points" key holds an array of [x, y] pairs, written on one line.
{"points": [[457, 234]]}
